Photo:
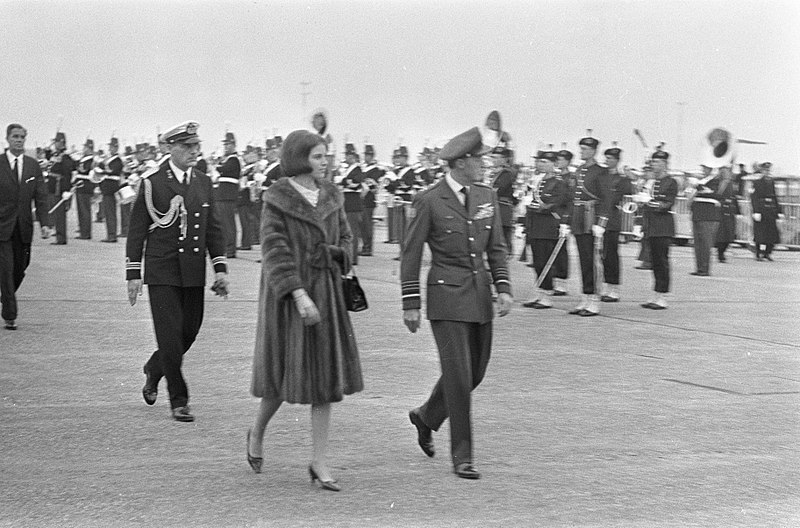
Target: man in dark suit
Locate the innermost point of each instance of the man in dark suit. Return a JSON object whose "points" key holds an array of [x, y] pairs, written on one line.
{"points": [[174, 216], [459, 219], [21, 182]]}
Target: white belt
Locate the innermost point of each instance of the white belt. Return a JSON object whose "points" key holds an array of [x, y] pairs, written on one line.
{"points": [[82, 177], [225, 179], [115, 178], [708, 200]]}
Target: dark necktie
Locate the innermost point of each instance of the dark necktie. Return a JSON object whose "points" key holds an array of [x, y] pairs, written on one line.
{"points": [[16, 169], [186, 180], [465, 192]]}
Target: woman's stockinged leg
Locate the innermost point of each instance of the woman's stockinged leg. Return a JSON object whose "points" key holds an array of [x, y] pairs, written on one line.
{"points": [[320, 427], [267, 409]]}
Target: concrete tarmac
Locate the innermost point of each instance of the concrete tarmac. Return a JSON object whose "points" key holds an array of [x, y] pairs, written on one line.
{"points": [[636, 418]]}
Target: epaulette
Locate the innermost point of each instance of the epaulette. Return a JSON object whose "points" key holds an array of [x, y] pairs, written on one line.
{"points": [[481, 184]]}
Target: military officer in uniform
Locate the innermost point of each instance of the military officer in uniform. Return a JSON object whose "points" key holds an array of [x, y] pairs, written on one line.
{"points": [[59, 181], [85, 192], [618, 185], [459, 220], [658, 226], [111, 170], [174, 216], [561, 264], [227, 192], [766, 213], [588, 218], [545, 218], [373, 174]]}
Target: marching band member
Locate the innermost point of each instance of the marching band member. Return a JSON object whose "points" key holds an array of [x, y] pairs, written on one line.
{"points": [[249, 199], [658, 225], [227, 192], [85, 192], [174, 224], [128, 186], [503, 182], [706, 212], [373, 174], [352, 184], [588, 218], [619, 185], [273, 172], [766, 213], [561, 264], [545, 218], [111, 171], [400, 190], [59, 181], [729, 210]]}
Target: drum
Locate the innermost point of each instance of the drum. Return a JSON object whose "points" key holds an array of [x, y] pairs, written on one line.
{"points": [[126, 194]]}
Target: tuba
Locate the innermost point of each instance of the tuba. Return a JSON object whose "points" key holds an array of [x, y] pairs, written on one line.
{"points": [[720, 150]]}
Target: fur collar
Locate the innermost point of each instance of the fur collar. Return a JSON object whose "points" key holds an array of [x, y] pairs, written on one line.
{"points": [[283, 196]]}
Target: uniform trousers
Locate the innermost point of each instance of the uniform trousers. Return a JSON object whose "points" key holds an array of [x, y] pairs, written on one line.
{"points": [[367, 230], [767, 250], [561, 264], [704, 234], [59, 217], [611, 257], [585, 245], [177, 316], [109, 208], [391, 227], [15, 256], [354, 219], [464, 350], [659, 256], [124, 218], [644, 253], [84, 204], [225, 210], [247, 220], [542, 248], [257, 208]]}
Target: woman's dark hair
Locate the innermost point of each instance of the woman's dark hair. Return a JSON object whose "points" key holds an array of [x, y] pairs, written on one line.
{"points": [[296, 149]]}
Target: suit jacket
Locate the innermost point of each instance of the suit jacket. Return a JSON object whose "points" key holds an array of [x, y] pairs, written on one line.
{"points": [[170, 258], [459, 287], [657, 219], [16, 198]]}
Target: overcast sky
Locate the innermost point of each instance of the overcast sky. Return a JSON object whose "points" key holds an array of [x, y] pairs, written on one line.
{"points": [[414, 71]]}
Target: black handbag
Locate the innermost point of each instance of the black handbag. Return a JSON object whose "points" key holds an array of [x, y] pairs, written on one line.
{"points": [[354, 298]]}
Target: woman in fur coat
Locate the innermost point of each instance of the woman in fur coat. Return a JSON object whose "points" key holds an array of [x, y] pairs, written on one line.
{"points": [[305, 348]]}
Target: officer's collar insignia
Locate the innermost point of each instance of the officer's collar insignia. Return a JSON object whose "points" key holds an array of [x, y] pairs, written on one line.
{"points": [[485, 210]]}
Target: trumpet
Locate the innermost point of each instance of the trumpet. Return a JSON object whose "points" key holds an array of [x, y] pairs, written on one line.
{"points": [[642, 197]]}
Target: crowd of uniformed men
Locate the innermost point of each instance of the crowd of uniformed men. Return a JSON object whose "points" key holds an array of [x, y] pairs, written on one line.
{"points": [[553, 200]]}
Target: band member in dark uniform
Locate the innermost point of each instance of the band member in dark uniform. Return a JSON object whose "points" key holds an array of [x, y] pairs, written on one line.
{"points": [[59, 184], [561, 264], [727, 192], [227, 192], [85, 193], [706, 212], [21, 184], [249, 200], [504, 184], [588, 218], [458, 219], [373, 174], [399, 190], [352, 184], [658, 226], [273, 172], [174, 217], [766, 213], [619, 185], [111, 170], [545, 216]]}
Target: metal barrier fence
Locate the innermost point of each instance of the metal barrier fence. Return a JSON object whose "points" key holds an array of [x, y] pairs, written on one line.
{"points": [[789, 227]]}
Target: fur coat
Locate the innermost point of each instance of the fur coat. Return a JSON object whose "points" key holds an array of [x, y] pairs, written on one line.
{"points": [[308, 247]]}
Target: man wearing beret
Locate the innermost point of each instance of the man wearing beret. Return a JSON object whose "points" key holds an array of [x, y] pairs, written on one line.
{"points": [[588, 214], [174, 217], [459, 220]]}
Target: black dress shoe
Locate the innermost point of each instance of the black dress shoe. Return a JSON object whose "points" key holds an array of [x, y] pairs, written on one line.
{"points": [[559, 293], [113, 241], [255, 462], [608, 298], [588, 313], [575, 311], [466, 471], [643, 267], [769, 258], [647, 305], [654, 306], [150, 389], [11, 325], [58, 243], [699, 274], [424, 434], [182, 414], [83, 238], [244, 248]]}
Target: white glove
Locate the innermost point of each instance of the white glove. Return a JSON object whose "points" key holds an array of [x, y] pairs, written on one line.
{"points": [[598, 231], [637, 231], [781, 216], [757, 217], [66, 195], [564, 231]]}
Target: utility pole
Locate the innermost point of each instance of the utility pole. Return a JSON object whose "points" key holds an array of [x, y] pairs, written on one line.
{"points": [[304, 93]]}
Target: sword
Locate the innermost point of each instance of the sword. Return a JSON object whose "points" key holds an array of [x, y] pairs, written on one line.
{"points": [[550, 262], [77, 185]]}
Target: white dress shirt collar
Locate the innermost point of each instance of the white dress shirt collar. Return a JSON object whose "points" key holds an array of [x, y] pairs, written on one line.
{"points": [[179, 174], [456, 187], [11, 159]]}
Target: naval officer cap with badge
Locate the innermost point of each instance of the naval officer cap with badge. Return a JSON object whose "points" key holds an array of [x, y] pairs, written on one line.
{"points": [[174, 264]]}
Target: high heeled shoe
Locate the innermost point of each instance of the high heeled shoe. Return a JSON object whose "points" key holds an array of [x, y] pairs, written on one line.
{"points": [[329, 485], [255, 462]]}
